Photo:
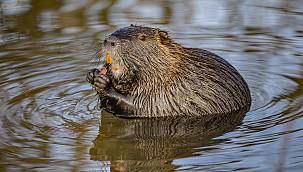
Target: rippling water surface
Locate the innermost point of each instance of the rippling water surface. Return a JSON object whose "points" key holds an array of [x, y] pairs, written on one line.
{"points": [[49, 118]]}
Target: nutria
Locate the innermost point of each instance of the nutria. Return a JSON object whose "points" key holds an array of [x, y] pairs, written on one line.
{"points": [[147, 74]]}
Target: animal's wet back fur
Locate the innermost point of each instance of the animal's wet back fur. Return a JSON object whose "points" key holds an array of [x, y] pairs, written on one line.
{"points": [[163, 78]]}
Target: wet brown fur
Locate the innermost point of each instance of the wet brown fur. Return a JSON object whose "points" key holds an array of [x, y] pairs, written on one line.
{"points": [[164, 78]]}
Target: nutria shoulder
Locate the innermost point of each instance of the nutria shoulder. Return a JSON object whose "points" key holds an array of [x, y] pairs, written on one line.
{"points": [[148, 74]]}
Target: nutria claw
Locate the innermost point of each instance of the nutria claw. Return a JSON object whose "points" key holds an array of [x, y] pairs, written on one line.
{"points": [[99, 81], [91, 75]]}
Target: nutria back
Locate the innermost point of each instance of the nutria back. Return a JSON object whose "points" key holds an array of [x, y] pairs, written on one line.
{"points": [[159, 77]]}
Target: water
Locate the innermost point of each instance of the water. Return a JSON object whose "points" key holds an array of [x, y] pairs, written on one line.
{"points": [[49, 119]]}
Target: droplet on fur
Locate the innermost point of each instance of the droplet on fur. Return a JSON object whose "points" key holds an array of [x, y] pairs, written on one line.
{"points": [[116, 68]]}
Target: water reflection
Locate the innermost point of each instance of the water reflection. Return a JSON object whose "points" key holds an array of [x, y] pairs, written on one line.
{"points": [[152, 144], [48, 114]]}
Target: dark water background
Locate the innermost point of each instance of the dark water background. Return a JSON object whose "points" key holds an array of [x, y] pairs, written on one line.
{"points": [[48, 114]]}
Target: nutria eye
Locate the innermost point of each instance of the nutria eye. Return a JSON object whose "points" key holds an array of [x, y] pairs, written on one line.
{"points": [[112, 44], [105, 42], [142, 37]]}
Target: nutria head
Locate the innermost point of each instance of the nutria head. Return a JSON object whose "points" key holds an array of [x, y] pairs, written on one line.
{"points": [[138, 50]]}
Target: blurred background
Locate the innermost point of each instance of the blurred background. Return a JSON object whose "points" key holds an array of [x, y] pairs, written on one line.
{"points": [[49, 118]]}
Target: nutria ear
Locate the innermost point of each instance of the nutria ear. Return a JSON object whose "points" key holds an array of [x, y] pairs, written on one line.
{"points": [[163, 34], [164, 38]]}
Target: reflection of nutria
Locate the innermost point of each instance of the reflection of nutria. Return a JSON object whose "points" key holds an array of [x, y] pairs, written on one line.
{"points": [[147, 74], [147, 144]]}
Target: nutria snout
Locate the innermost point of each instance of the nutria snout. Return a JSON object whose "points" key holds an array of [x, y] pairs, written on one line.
{"points": [[148, 74]]}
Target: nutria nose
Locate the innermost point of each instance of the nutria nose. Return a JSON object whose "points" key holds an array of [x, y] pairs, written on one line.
{"points": [[111, 41]]}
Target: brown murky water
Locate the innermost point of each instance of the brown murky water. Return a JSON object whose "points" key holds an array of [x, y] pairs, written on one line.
{"points": [[49, 119]]}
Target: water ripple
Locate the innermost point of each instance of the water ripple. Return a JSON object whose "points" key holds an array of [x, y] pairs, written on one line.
{"points": [[50, 119]]}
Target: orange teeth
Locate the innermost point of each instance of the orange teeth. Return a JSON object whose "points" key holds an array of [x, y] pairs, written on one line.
{"points": [[108, 58]]}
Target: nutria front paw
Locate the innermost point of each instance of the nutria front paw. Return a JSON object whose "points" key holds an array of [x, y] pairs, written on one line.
{"points": [[99, 81], [91, 75]]}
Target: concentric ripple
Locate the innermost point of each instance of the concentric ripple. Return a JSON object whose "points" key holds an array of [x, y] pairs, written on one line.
{"points": [[50, 119]]}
